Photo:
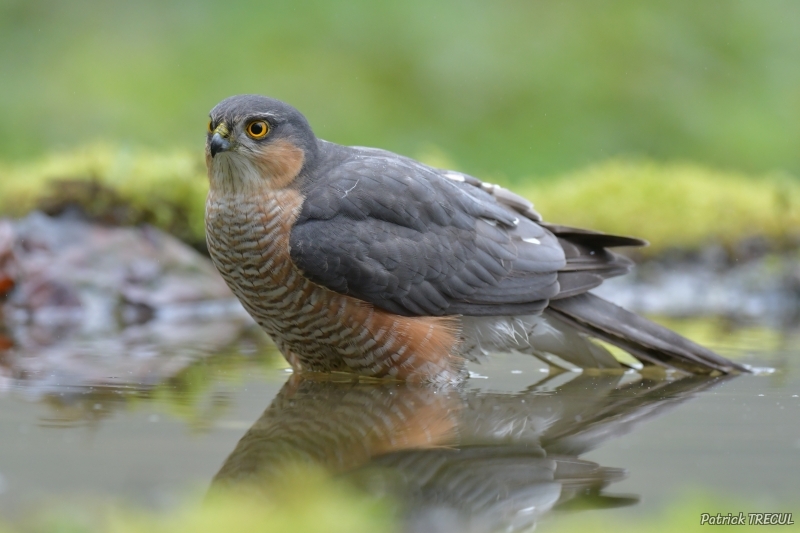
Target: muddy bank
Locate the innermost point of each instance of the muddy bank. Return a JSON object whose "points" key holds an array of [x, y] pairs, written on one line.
{"points": [[762, 287], [84, 303], [67, 276]]}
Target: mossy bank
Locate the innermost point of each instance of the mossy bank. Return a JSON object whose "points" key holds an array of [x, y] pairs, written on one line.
{"points": [[675, 205]]}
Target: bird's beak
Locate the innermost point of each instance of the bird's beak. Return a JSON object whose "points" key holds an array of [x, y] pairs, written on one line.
{"points": [[218, 144]]}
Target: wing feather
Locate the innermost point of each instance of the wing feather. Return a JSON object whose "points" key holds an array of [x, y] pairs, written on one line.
{"points": [[420, 241]]}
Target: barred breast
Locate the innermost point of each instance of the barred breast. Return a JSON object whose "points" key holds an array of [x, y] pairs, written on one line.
{"points": [[314, 328]]}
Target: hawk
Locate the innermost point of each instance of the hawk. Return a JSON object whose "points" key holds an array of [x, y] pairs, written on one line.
{"points": [[361, 260]]}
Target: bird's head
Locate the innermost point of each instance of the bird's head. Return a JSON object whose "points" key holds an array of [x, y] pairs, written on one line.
{"points": [[255, 143]]}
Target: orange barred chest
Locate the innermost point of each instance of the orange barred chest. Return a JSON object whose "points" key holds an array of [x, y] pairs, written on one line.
{"points": [[317, 329]]}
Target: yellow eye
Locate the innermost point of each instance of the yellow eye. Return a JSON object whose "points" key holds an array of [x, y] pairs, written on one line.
{"points": [[210, 124], [258, 129]]}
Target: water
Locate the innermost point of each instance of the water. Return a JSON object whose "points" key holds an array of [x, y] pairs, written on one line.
{"points": [[514, 446]]}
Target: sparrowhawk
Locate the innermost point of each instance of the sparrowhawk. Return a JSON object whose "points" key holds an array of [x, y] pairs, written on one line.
{"points": [[361, 260]]}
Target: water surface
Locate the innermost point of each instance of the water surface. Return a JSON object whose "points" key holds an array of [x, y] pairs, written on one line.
{"points": [[514, 446]]}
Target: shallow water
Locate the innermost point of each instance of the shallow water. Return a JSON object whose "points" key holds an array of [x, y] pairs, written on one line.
{"points": [[514, 446]]}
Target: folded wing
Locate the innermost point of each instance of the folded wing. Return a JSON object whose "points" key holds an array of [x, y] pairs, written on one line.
{"points": [[415, 240]]}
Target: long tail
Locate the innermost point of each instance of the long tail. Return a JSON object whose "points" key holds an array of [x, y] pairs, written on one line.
{"points": [[642, 338]]}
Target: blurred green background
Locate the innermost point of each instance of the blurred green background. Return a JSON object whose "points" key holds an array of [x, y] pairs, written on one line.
{"points": [[675, 120], [507, 89]]}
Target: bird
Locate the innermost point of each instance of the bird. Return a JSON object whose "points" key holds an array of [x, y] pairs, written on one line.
{"points": [[364, 261], [471, 460]]}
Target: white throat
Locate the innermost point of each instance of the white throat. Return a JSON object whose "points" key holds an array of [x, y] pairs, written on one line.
{"points": [[235, 174]]}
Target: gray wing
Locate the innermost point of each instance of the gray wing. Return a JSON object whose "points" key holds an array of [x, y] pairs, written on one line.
{"points": [[415, 240]]}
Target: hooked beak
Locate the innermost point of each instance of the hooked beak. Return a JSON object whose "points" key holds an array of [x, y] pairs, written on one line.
{"points": [[218, 144]]}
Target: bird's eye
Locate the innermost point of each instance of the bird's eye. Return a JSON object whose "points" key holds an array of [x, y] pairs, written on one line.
{"points": [[210, 126], [258, 129]]}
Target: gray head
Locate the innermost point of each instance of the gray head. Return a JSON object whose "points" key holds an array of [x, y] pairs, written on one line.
{"points": [[257, 141]]}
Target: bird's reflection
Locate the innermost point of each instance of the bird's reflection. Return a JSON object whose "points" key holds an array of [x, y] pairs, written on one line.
{"points": [[457, 459]]}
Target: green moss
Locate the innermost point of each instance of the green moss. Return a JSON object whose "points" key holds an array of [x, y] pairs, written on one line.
{"points": [[166, 189], [675, 205], [306, 500], [311, 501]]}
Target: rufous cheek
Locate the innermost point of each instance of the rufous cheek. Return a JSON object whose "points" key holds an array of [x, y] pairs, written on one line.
{"points": [[281, 162]]}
